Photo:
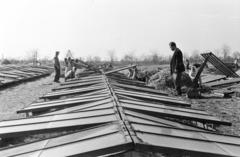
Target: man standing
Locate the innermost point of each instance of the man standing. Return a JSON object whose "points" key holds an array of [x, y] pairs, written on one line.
{"points": [[56, 67], [176, 67]]}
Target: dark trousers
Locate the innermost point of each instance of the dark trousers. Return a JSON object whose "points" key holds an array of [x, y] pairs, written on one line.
{"points": [[177, 78], [57, 74]]}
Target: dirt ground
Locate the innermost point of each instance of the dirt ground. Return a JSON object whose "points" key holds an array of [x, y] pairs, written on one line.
{"points": [[21, 95], [225, 109]]}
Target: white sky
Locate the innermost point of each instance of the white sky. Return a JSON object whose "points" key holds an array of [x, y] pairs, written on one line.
{"points": [[89, 27]]}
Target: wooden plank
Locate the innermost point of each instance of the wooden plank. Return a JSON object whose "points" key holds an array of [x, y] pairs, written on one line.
{"points": [[219, 64], [223, 82], [47, 106], [93, 142], [77, 85], [142, 89], [70, 100], [166, 101], [58, 94], [33, 125], [119, 69], [158, 112], [159, 121], [166, 107], [178, 141], [148, 95], [81, 80], [211, 78], [78, 108]]}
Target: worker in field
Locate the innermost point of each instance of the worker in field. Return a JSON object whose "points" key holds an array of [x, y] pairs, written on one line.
{"points": [[176, 67], [56, 67], [70, 69], [65, 67], [135, 73], [187, 64], [236, 63], [193, 72]]}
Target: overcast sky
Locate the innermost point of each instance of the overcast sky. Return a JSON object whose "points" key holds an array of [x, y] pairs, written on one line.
{"points": [[93, 27]]}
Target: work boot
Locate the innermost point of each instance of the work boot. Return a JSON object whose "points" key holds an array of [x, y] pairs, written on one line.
{"points": [[176, 93], [179, 93]]}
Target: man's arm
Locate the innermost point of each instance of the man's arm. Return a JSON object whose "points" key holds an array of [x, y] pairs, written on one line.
{"points": [[173, 63], [178, 57]]}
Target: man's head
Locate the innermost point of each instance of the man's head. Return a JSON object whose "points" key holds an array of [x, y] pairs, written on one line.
{"points": [[172, 45], [65, 60], [57, 53]]}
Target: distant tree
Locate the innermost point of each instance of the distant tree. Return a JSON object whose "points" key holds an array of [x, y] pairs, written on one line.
{"points": [[217, 52], [35, 57], [185, 55], [225, 51], [155, 58], [236, 55], [89, 59], [112, 55], [46, 60], [128, 58], [96, 59], [195, 56], [6, 61], [32, 56], [2, 57]]}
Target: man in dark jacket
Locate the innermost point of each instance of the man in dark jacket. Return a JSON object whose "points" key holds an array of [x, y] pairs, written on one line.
{"points": [[176, 67], [56, 67]]}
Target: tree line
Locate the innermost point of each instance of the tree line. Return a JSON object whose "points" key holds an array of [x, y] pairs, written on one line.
{"points": [[152, 57]]}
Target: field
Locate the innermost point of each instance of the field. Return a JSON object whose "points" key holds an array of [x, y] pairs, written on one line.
{"points": [[225, 108], [19, 96]]}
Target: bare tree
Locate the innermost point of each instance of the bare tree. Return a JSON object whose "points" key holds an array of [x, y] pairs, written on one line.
{"points": [[128, 58], [89, 59], [96, 59], [155, 58], [2, 56], [225, 51], [32, 56], [236, 55], [112, 55], [195, 56], [217, 52], [185, 55]]}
